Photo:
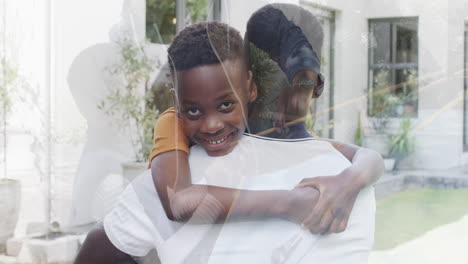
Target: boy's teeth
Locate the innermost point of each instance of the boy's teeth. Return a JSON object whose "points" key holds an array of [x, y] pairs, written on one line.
{"points": [[217, 141]]}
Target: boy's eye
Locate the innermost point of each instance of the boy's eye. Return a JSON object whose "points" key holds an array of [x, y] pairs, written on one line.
{"points": [[225, 105], [193, 112]]}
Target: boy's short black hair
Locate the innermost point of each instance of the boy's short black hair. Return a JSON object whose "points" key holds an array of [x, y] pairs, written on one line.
{"points": [[204, 43]]}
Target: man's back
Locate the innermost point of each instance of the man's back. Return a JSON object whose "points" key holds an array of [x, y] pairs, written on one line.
{"points": [[256, 164]]}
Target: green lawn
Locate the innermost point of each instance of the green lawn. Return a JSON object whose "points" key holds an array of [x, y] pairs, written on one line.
{"points": [[404, 216]]}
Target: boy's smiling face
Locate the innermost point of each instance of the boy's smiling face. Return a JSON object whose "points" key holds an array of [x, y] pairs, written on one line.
{"points": [[212, 103]]}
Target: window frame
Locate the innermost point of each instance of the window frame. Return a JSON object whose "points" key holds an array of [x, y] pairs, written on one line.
{"points": [[465, 88], [322, 12], [393, 65]]}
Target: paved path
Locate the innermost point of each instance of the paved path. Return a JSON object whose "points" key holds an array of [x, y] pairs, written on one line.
{"points": [[447, 244]]}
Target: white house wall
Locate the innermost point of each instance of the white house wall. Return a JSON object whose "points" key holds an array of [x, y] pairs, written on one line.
{"points": [[439, 125], [81, 36], [350, 64]]}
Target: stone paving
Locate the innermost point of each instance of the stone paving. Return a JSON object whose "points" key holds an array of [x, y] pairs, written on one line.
{"points": [[444, 244], [397, 181]]}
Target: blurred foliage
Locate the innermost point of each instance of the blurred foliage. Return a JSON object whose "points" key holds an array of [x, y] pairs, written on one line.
{"points": [[359, 133], [162, 94], [402, 143], [196, 10], [310, 122], [382, 101], [129, 101], [388, 100], [323, 62], [262, 70], [13, 87], [160, 16], [8, 77]]}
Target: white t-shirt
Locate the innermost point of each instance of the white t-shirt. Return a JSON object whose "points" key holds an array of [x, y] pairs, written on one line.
{"points": [[138, 223]]}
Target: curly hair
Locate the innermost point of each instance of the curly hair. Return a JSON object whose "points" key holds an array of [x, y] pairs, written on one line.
{"points": [[204, 43]]}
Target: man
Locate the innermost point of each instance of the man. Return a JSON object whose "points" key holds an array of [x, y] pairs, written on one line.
{"points": [[214, 97]]}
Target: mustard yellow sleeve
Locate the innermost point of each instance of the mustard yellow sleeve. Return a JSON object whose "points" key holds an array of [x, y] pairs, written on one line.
{"points": [[168, 135]]}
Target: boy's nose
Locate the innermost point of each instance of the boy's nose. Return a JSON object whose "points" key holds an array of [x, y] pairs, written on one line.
{"points": [[212, 125]]}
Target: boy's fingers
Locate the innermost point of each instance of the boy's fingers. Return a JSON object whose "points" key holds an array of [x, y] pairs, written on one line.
{"points": [[342, 226], [335, 226], [339, 213], [344, 223], [314, 219], [325, 222]]}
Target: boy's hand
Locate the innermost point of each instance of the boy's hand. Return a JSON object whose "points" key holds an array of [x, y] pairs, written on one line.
{"points": [[302, 201], [337, 195]]}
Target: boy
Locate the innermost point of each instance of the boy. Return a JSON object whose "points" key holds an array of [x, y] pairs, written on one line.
{"points": [[266, 29], [214, 116]]}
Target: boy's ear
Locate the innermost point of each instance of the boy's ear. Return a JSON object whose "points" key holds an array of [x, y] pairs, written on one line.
{"points": [[252, 87]]}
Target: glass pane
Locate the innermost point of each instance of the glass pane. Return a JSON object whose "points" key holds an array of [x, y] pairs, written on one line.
{"points": [[196, 11], [160, 20], [382, 96], [394, 99], [323, 123], [394, 45], [465, 132], [406, 92], [380, 42], [406, 41]]}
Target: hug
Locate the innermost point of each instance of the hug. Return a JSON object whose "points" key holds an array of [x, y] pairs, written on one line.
{"points": [[235, 176]]}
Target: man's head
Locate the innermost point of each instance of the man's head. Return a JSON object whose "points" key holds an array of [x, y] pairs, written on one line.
{"points": [[213, 85], [292, 37]]}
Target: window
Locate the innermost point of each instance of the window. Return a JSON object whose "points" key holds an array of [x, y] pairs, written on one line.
{"points": [[393, 67], [163, 17], [465, 101]]}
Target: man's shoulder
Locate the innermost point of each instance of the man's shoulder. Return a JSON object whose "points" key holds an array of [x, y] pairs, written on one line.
{"points": [[262, 157], [258, 147], [308, 144]]}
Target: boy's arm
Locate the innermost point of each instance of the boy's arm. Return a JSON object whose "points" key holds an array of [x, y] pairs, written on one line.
{"points": [[183, 200], [367, 165], [339, 192]]}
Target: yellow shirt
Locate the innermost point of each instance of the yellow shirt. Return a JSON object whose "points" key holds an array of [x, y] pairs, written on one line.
{"points": [[168, 135]]}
